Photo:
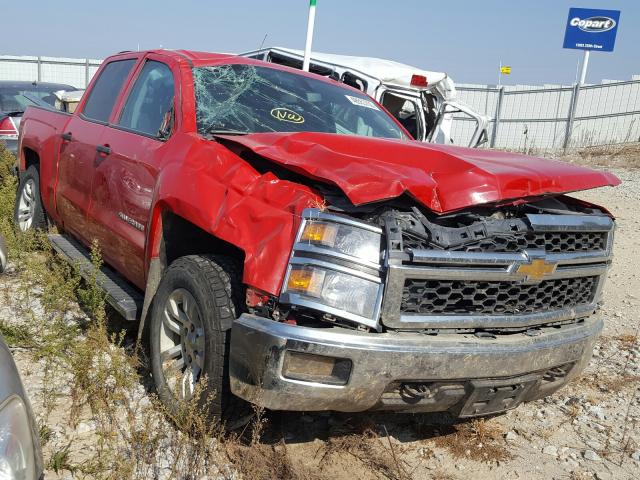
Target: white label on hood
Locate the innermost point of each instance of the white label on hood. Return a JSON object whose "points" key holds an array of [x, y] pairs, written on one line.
{"points": [[362, 102]]}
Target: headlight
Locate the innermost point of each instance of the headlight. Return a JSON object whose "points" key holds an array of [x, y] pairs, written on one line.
{"points": [[16, 445], [354, 241], [341, 291], [335, 268]]}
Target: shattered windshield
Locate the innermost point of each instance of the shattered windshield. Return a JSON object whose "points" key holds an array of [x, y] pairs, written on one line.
{"points": [[249, 99]]}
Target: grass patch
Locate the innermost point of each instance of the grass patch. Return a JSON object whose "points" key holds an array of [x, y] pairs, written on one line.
{"points": [[8, 185], [16, 335], [59, 461]]}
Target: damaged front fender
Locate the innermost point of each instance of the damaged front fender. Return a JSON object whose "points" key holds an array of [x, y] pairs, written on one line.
{"points": [[225, 196]]}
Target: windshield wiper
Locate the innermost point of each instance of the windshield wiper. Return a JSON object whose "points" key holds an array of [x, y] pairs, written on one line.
{"points": [[213, 131]]}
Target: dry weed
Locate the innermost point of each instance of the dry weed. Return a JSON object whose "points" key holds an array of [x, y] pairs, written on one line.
{"points": [[441, 475], [481, 440], [627, 340], [607, 384], [377, 454], [623, 155]]}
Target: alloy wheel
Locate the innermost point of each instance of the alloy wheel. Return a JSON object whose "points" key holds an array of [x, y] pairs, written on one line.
{"points": [[182, 343], [27, 205]]}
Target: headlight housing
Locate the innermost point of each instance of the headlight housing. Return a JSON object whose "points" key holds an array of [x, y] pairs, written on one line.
{"points": [[17, 459], [363, 244], [335, 267]]}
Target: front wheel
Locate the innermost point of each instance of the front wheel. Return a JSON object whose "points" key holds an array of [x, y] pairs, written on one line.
{"points": [[28, 212], [189, 331]]}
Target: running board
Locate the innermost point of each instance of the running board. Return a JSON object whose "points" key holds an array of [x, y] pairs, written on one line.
{"points": [[121, 295]]}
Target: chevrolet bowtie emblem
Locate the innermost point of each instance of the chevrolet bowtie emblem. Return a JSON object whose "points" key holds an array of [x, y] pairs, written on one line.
{"points": [[537, 269]]}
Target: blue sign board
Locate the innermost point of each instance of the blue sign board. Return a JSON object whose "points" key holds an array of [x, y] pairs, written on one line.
{"points": [[590, 29]]}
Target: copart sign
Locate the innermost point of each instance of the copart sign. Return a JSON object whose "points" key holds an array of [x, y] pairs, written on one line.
{"points": [[589, 29]]}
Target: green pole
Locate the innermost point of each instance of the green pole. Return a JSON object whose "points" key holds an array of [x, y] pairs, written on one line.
{"points": [[310, 24]]}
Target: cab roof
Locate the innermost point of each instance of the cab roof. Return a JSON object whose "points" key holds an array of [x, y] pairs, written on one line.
{"points": [[202, 59]]}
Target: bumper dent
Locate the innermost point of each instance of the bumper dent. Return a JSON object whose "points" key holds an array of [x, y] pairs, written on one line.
{"points": [[453, 367]]}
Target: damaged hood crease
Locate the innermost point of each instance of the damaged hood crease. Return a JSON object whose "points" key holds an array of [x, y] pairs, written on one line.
{"points": [[442, 178]]}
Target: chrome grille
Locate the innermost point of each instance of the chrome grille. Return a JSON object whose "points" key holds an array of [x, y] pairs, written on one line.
{"points": [[485, 284], [549, 241], [429, 297]]}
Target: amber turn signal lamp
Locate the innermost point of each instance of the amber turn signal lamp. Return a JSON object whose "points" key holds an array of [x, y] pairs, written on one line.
{"points": [[306, 280], [322, 233]]}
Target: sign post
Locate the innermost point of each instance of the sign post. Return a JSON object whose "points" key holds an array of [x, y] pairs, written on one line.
{"points": [[590, 29], [585, 64]]}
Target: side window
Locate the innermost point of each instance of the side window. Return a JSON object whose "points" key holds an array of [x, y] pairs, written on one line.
{"points": [[354, 81], [106, 89], [405, 111], [148, 108]]}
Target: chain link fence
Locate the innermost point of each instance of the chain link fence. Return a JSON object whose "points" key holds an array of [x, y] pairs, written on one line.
{"points": [[76, 72], [550, 118], [523, 118]]}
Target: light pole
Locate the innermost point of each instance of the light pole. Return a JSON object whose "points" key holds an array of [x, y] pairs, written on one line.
{"points": [[307, 46]]}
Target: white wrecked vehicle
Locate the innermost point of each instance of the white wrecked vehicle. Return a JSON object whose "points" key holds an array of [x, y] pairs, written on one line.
{"points": [[67, 101], [423, 101]]}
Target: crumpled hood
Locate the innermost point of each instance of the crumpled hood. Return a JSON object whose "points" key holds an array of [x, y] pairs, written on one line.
{"points": [[442, 178]]}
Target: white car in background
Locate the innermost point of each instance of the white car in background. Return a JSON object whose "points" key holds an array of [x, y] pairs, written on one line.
{"points": [[423, 101]]}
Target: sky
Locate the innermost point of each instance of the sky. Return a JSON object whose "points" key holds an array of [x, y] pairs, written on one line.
{"points": [[465, 38]]}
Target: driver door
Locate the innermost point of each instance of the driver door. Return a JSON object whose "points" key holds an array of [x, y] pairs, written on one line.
{"points": [[124, 180], [79, 152]]}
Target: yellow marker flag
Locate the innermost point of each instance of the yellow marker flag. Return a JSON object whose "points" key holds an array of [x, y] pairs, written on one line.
{"points": [[505, 70]]}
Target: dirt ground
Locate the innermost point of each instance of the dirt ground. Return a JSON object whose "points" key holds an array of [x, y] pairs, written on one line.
{"points": [[591, 429]]}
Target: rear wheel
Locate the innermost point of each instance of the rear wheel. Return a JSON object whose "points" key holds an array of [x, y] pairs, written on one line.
{"points": [[28, 211], [189, 331]]}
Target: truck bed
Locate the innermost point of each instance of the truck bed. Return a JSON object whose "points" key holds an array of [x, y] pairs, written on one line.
{"points": [[40, 132]]}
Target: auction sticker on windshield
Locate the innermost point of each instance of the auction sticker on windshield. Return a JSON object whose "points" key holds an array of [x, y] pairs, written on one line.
{"points": [[286, 115], [362, 102]]}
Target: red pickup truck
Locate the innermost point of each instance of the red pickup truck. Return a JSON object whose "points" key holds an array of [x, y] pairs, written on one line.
{"points": [[283, 235]]}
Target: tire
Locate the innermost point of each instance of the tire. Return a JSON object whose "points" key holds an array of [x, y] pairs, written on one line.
{"points": [[28, 212], [197, 296]]}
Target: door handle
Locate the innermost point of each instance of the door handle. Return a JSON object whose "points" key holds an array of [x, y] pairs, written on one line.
{"points": [[103, 149], [67, 137]]}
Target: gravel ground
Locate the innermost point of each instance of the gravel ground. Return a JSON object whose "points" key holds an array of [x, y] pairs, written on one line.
{"points": [[590, 429]]}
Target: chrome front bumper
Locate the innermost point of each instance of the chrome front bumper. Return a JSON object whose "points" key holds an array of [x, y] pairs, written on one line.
{"points": [[458, 370]]}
